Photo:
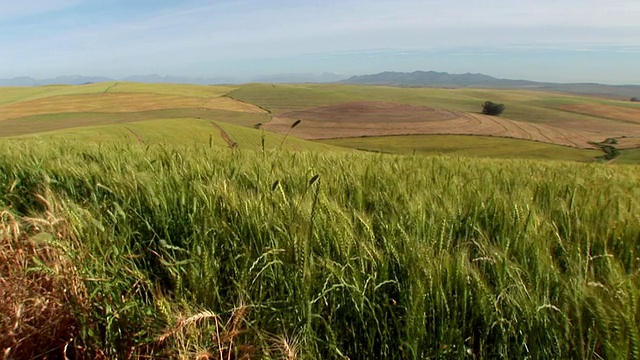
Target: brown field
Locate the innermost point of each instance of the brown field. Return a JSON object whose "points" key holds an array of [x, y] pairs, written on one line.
{"points": [[371, 118], [119, 103], [606, 111], [373, 111]]}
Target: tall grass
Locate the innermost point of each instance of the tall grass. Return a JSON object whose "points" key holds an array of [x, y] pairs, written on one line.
{"points": [[188, 252]]}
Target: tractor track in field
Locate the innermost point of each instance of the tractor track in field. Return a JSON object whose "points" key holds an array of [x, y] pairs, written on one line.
{"points": [[525, 134], [564, 136], [498, 124], [475, 120], [225, 136], [136, 135], [542, 134]]}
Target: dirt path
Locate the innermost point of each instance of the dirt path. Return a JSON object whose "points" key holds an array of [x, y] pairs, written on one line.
{"points": [[110, 87], [232, 144]]}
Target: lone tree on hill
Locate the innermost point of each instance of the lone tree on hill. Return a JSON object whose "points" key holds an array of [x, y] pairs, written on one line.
{"points": [[635, 99], [490, 108]]}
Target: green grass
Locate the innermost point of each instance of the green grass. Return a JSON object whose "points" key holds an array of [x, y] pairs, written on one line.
{"points": [[468, 146], [190, 249], [631, 156]]}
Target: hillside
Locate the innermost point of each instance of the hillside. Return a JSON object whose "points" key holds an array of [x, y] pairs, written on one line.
{"points": [[50, 108], [191, 112], [349, 111]]}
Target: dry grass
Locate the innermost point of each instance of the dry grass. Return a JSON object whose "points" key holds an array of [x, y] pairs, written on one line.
{"points": [[38, 287], [206, 324], [286, 348]]}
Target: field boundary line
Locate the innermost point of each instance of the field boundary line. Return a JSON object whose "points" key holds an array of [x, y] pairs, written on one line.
{"points": [[228, 95], [109, 88]]}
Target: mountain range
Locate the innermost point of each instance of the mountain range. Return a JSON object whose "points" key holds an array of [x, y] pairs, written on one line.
{"points": [[403, 79], [81, 79], [468, 80], [155, 78]]}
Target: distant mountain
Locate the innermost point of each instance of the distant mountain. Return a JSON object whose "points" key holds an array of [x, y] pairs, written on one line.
{"points": [[443, 79], [413, 79], [155, 78], [19, 81], [60, 80], [77, 79], [433, 78], [299, 78], [80, 79]]}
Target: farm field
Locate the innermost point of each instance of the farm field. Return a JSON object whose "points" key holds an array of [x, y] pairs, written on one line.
{"points": [[132, 250], [330, 111], [42, 109], [336, 112], [183, 131]]}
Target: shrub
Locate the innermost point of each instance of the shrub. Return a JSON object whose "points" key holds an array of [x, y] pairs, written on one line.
{"points": [[490, 108]]}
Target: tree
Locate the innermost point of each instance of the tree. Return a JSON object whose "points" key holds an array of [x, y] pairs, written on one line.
{"points": [[635, 99], [490, 108]]}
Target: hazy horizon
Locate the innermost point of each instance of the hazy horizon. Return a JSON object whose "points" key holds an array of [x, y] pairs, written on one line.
{"points": [[569, 41]]}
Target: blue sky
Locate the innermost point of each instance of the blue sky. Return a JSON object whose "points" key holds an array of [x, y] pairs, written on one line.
{"points": [[559, 40]]}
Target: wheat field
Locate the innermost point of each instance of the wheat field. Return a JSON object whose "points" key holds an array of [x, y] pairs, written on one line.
{"points": [[183, 251]]}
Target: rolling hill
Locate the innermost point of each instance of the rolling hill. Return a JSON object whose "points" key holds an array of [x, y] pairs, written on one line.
{"points": [[348, 111], [327, 111]]}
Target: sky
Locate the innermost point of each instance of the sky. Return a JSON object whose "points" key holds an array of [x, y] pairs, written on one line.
{"points": [[543, 40]]}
